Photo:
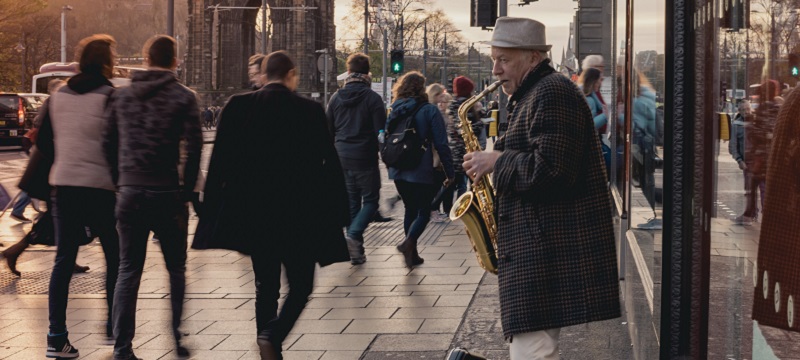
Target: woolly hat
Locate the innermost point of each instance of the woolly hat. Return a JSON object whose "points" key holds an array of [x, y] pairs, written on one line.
{"points": [[463, 86]]}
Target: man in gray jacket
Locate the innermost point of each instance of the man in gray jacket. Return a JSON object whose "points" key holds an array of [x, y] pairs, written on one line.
{"points": [[146, 123], [356, 116]]}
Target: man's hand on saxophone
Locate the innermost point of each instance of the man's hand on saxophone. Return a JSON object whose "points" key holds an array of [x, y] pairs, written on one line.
{"points": [[479, 163]]}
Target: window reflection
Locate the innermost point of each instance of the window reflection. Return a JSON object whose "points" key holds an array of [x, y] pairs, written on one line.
{"points": [[755, 237]]}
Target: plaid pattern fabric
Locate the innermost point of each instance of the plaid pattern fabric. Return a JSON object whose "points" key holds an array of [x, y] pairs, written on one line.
{"points": [[557, 258], [777, 272]]}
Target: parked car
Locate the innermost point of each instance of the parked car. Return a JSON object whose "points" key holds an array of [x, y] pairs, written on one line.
{"points": [[17, 112]]}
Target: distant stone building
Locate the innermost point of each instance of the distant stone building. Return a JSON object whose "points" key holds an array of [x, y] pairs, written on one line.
{"points": [[222, 39], [592, 31]]}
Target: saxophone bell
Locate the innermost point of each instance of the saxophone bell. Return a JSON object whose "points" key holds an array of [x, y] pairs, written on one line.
{"points": [[476, 208]]}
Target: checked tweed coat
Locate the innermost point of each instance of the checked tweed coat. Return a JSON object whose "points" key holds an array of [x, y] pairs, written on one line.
{"points": [[557, 258]]}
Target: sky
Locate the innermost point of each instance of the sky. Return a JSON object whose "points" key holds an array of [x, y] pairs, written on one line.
{"points": [[555, 14]]}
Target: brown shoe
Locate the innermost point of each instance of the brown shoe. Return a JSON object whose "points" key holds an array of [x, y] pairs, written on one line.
{"points": [[80, 269]]}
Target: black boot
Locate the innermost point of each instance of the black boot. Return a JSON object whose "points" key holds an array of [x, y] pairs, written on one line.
{"points": [[12, 254], [408, 247]]}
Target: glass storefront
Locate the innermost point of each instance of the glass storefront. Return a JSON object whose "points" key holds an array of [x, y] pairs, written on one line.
{"points": [[705, 175], [704, 156], [754, 252]]}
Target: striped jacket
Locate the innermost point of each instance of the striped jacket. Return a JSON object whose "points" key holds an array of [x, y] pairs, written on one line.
{"points": [[557, 258]]}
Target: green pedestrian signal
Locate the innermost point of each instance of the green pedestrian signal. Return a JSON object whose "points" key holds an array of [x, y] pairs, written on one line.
{"points": [[794, 64], [397, 61]]}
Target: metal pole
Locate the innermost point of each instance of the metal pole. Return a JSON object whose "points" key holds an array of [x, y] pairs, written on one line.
{"points": [[425, 49], [480, 65], [64, 34], [469, 60], [366, 27], [171, 18], [385, 45], [402, 21], [444, 68], [264, 27], [503, 8], [23, 54], [325, 73], [746, 62]]}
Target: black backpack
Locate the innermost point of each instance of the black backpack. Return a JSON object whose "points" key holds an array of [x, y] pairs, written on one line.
{"points": [[403, 147]]}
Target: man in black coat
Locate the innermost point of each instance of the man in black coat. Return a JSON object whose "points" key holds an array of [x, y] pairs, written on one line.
{"points": [[356, 115], [275, 190], [555, 243]]}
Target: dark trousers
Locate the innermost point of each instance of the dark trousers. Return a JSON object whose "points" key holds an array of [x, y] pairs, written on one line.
{"points": [[363, 191], [756, 188], [76, 209], [141, 210], [300, 274], [417, 200]]}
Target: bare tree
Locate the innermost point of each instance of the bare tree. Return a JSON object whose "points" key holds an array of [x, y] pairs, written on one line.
{"points": [[388, 15]]}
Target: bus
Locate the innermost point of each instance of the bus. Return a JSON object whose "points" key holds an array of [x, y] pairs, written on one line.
{"points": [[54, 70]]}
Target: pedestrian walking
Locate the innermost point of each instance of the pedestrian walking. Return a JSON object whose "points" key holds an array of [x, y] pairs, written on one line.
{"points": [[437, 95], [736, 146], [357, 116], [590, 81], [758, 139], [555, 244], [84, 192], [645, 135], [146, 123], [42, 232], [416, 181], [254, 73], [462, 86], [256, 189]]}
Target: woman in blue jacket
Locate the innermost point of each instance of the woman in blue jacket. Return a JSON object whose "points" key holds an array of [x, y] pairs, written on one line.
{"points": [[418, 186], [591, 80]]}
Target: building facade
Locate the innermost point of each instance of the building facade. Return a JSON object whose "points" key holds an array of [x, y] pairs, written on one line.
{"points": [[224, 34]]}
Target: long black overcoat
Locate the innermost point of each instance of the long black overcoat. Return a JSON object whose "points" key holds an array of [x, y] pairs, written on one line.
{"points": [[557, 259], [274, 182]]}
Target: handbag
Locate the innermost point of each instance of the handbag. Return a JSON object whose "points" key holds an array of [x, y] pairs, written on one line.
{"points": [[35, 179], [43, 231]]}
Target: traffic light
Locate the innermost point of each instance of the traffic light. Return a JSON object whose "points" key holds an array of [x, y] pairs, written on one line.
{"points": [[483, 13], [397, 61], [794, 65]]}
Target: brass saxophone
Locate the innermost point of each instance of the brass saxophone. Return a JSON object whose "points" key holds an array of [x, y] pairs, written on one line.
{"points": [[476, 208]]}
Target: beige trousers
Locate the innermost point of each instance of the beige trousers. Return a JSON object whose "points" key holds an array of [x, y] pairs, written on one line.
{"points": [[536, 345]]}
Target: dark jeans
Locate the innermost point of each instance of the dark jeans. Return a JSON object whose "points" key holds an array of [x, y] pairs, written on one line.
{"points": [[141, 210], [363, 190], [75, 209], [300, 275], [417, 200]]}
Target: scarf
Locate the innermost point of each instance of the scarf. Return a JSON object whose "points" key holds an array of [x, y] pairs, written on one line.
{"points": [[358, 77]]}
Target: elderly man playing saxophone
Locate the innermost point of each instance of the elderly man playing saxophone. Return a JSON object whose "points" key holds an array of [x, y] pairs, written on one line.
{"points": [[555, 246]]}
